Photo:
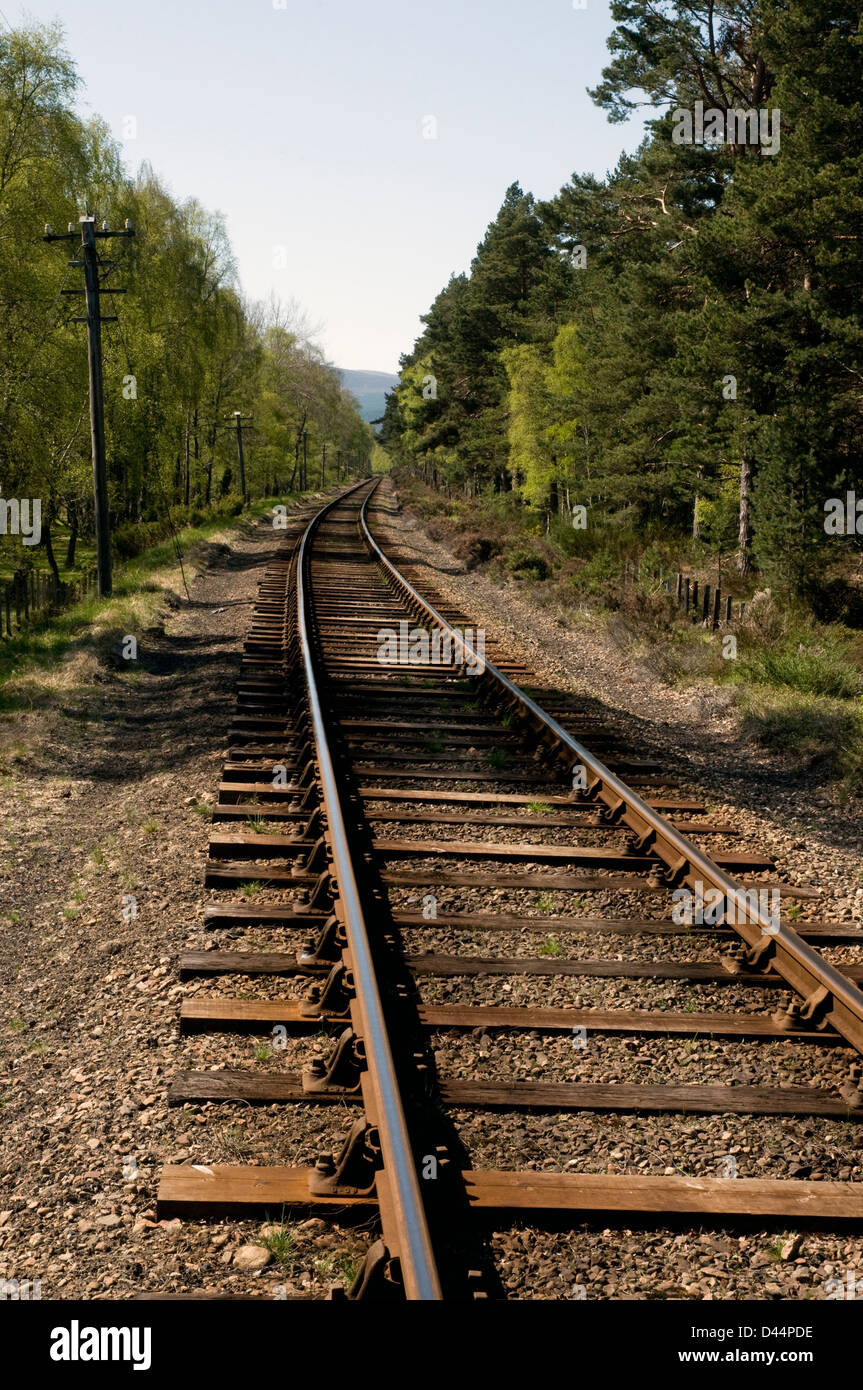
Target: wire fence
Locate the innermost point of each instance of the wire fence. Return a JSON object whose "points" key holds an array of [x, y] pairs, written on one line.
{"points": [[707, 605], [31, 595], [701, 603]]}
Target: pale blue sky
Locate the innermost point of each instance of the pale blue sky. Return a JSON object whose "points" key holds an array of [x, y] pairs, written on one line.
{"points": [[303, 124]]}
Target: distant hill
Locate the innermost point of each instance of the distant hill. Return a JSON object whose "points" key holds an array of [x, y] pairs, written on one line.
{"points": [[370, 389]]}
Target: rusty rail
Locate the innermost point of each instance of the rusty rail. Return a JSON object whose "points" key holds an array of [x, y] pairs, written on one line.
{"points": [[829, 997], [411, 1239]]}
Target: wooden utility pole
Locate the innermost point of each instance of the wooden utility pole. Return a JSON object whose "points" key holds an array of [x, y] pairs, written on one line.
{"points": [[94, 320], [239, 425]]}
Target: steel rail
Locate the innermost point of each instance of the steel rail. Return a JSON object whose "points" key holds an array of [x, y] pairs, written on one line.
{"points": [[416, 1256], [830, 998]]}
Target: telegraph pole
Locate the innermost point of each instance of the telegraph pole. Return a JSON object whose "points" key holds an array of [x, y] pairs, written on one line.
{"points": [[240, 426], [94, 320], [97, 404]]}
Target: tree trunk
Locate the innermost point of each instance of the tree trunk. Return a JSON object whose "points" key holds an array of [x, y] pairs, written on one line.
{"points": [[49, 553], [72, 514], [196, 453], [186, 466], [296, 463], [744, 535]]}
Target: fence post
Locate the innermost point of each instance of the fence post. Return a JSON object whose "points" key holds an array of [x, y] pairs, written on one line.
{"points": [[679, 589], [705, 603], [717, 605], [687, 597], [728, 609], [695, 596]]}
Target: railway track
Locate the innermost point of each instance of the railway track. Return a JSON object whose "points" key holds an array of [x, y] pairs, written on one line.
{"points": [[447, 869]]}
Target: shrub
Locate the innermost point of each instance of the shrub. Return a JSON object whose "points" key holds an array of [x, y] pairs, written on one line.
{"points": [[476, 548], [527, 564], [837, 600]]}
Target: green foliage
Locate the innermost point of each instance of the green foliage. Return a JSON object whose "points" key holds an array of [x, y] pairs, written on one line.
{"points": [[186, 352], [679, 346], [821, 732], [813, 671], [527, 563]]}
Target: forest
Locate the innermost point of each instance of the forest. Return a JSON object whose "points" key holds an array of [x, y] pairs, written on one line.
{"points": [[186, 352], [676, 347]]}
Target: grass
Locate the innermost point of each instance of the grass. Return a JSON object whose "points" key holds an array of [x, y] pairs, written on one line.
{"points": [[539, 808], [550, 947], [797, 684], [545, 902], [249, 889], [85, 555], [18, 1025], [497, 757], [820, 732], [43, 660], [262, 1052], [150, 826], [281, 1242], [775, 1251], [433, 745], [257, 825], [805, 665], [235, 1142], [340, 1264]]}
